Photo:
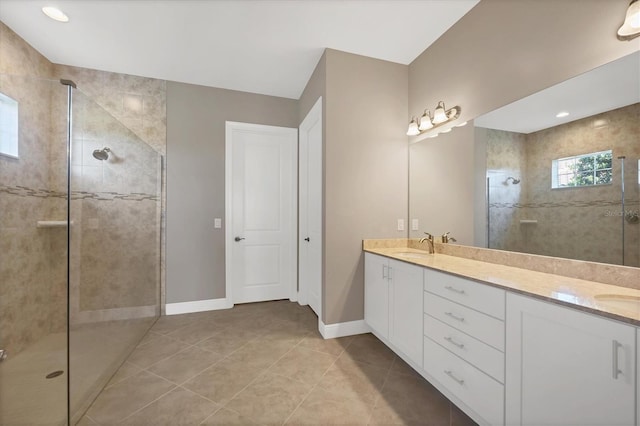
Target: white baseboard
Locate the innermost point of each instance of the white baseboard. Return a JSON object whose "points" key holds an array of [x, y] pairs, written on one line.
{"points": [[198, 306], [341, 329]]}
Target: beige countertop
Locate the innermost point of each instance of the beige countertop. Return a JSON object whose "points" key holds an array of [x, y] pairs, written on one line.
{"points": [[619, 303]]}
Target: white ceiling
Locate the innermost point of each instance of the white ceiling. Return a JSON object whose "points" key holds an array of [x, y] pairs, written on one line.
{"points": [[267, 47], [608, 87]]}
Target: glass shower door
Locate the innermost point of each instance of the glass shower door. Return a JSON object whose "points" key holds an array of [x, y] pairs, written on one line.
{"points": [[33, 251], [114, 286]]}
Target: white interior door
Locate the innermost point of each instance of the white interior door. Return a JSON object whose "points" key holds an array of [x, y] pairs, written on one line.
{"points": [[310, 243], [261, 212]]}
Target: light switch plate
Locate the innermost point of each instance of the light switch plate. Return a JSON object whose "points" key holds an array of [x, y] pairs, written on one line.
{"points": [[217, 222], [400, 224], [414, 225]]}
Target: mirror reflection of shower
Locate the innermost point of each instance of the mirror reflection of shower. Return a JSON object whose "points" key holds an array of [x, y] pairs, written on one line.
{"points": [[101, 154], [514, 181]]}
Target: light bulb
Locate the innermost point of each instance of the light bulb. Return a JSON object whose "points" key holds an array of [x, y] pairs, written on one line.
{"points": [[413, 128], [440, 115], [55, 14], [631, 26], [425, 121]]}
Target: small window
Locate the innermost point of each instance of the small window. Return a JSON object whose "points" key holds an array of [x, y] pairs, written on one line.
{"points": [[582, 170], [8, 126]]}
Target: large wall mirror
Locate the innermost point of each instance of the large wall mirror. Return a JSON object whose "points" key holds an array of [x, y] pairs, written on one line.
{"points": [[562, 170]]}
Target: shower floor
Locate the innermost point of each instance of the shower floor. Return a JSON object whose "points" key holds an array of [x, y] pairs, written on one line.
{"points": [[97, 350]]}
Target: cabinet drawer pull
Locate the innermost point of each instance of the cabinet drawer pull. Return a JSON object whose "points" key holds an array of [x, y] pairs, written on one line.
{"points": [[454, 316], [385, 270], [616, 370], [450, 374], [453, 342], [455, 290]]}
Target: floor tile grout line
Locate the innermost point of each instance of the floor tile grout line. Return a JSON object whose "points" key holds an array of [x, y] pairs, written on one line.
{"points": [[379, 395], [142, 408], [90, 418], [309, 393], [220, 407], [187, 346], [201, 396], [258, 376], [312, 389], [198, 373]]}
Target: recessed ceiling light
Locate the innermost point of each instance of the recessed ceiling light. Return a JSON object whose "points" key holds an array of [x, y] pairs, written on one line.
{"points": [[55, 14], [562, 114]]}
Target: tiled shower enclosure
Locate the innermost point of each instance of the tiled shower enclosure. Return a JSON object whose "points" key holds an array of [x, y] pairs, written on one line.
{"points": [[80, 251]]}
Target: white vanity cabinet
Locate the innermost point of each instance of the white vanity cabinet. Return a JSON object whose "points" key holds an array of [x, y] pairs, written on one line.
{"points": [[565, 367], [376, 294], [464, 343], [393, 303]]}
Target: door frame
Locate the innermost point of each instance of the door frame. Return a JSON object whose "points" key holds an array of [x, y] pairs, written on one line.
{"points": [[230, 126], [313, 116]]}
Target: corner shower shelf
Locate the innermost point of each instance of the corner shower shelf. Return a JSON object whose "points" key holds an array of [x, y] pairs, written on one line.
{"points": [[527, 221], [52, 224]]}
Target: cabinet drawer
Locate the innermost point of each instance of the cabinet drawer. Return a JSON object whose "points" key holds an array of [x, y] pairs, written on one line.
{"points": [[480, 392], [481, 355], [483, 327], [478, 296]]}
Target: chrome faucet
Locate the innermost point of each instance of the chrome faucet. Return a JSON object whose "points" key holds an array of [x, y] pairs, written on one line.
{"points": [[429, 240], [446, 238]]}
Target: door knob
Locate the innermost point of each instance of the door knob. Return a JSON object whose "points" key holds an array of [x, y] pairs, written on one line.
{"points": [[239, 238], [3, 355], [307, 239]]}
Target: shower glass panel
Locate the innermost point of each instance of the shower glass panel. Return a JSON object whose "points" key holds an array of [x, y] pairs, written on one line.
{"points": [[114, 291], [33, 252]]}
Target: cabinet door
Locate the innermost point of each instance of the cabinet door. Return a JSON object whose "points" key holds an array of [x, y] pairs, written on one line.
{"points": [[565, 367], [405, 307], [376, 294]]}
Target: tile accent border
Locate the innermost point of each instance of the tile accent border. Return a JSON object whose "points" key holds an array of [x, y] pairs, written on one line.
{"points": [[23, 191], [593, 203], [198, 306], [342, 329]]}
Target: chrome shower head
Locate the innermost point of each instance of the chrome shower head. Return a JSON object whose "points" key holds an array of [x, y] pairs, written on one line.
{"points": [[513, 180], [101, 154]]}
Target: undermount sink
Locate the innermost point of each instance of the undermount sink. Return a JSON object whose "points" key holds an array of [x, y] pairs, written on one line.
{"points": [[619, 301], [412, 255]]}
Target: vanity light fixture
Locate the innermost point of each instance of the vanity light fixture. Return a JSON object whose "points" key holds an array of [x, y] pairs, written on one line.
{"points": [[440, 116], [55, 14], [562, 114], [630, 29]]}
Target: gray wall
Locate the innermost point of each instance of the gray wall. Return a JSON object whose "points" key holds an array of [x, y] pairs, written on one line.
{"points": [[366, 159], [196, 118]]}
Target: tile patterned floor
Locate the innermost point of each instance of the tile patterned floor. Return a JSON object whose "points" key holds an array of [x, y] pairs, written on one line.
{"points": [[265, 364]]}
